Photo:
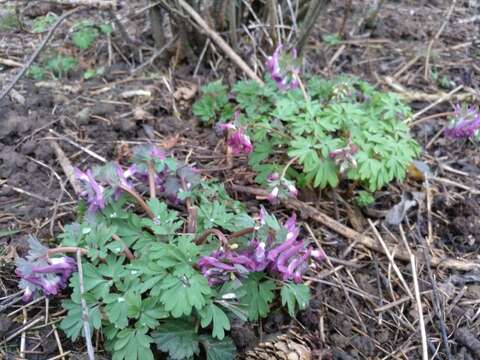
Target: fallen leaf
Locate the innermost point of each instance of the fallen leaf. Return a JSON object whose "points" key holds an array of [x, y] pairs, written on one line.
{"points": [[185, 92], [398, 212], [170, 142]]}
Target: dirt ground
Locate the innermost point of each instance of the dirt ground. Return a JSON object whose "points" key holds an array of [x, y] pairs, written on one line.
{"points": [[360, 308]]}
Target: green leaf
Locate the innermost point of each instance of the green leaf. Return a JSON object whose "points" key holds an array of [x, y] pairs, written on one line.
{"points": [[91, 73], [166, 221], [178, 338], [106, 28], [183, 293], [116, 309], [132, 344], [72, 324], [61, 65], [293, 294], [85, 37], [42, 23], [259, 295], [212, 313], [218, 349]]}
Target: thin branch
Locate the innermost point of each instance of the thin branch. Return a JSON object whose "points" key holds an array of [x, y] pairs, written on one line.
{"points": [[220, 42], [126, 249], [66, 249], [85, 317], [437, 35], [201, 239], [139, 200], [313, 12]]}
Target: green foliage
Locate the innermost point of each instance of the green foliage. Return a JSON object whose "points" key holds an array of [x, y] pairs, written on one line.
{"points": [[9, 21], [36, 72], [177, 338], [332, 39], [42, 23], [337, 114], [214, 104], [91, 73], [259, 295], [60, 65], [295, 295], [160, 297], [364, 199], [84, 35]]}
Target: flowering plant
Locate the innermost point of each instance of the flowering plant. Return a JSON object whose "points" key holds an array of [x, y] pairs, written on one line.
{"points": [[40, 273], [465, 123], [163, 280], [328, 130]]}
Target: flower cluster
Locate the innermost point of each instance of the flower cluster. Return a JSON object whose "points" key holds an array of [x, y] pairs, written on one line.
{"points": [[284, 70], [111, 180], [237, 141], [40, 273], [287, 259], [344, 157], [279, 188], [466, 123]]}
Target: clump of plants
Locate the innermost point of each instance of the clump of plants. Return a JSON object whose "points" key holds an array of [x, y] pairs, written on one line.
{"points": [[170, 261], [330, 129]]}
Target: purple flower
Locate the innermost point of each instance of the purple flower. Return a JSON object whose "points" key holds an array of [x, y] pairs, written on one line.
{"points": [[91, 190], [345, 157], [64, 266], [273, 195], [280, 188], [239, 142], [283, 71], [39, 273], [224, 264], [287, 260], [466, 123]]}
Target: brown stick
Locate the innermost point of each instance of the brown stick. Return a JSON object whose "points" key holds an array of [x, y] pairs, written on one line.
{"points": [[139, 200], [126, 249], [351, 234], [200, 239], [66, 249], [66, 165], [97, 4], [219, 41]]}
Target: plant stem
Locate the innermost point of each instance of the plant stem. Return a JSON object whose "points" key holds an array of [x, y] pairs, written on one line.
{"points": [[85, 317], [126, 249], [284, 171], [66, 249], [139, 200], [151, 180], [201, 239]]}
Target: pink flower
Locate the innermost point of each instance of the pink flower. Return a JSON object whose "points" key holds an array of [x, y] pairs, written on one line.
{"points": [[283, 70], [91, 190], [466, 123], [239, 142], [287, 260]]}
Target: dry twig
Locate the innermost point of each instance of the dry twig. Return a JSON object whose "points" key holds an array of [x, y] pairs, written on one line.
{"points": [[219, 41]]}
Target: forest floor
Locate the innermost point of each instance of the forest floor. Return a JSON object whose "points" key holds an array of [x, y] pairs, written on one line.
{"points": [[363, 305]]}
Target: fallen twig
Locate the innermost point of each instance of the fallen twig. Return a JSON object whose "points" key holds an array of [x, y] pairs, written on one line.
{"points": [[219, 41], [437, 35], [66, 166], [314, 214]]}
